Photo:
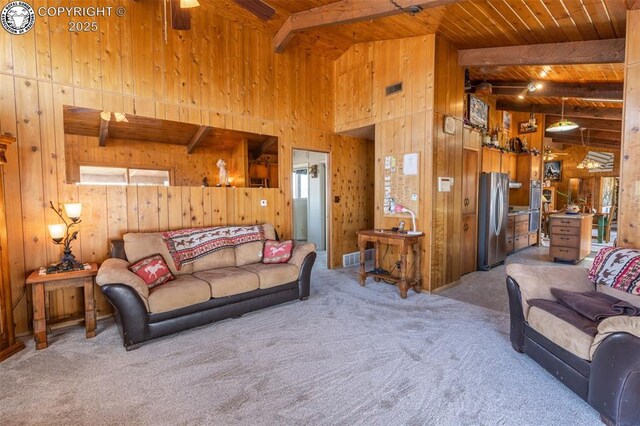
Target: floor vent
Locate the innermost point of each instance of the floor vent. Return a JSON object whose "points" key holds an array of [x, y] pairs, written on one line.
{"points": [[351, 259]]}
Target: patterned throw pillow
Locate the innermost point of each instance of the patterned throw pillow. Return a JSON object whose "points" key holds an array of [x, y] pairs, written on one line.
{"points": [[618, 268], [277, 251], [153, 270]]}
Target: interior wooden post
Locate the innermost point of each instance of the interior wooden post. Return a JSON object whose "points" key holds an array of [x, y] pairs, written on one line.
{"points": [[628, 217]]}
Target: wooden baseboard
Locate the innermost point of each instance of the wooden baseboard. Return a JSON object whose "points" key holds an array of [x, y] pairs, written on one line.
{"points": [[11, 350]]}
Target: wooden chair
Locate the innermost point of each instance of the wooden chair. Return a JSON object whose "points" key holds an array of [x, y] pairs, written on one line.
{"points": [[607, 222], [607, 225]]}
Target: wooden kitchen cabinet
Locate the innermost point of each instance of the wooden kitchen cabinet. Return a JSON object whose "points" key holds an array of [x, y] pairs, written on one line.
{"points": [[508, 165], [469, 181], [468, 247], [469, 218], [491, 160]]}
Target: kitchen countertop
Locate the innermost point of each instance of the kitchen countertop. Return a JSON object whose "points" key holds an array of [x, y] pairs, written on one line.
{"points": [[571, 216], [518, 212]]}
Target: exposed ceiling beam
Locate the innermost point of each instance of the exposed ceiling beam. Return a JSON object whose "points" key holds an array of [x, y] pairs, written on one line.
{"points": [[633, 4], [266, 146], [590, 123], [104, 132], [589, 134], [258, 8], [610, 91], [197, 138], [575, 140], [569, 110], [345, 12], [594, 145], [574, 52]]}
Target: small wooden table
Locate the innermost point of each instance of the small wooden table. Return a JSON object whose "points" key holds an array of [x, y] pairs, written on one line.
{"points": [[40, 284], [404, 241]]}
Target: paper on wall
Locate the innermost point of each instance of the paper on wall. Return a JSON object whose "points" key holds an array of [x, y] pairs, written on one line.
{"points": [[410, 164]]}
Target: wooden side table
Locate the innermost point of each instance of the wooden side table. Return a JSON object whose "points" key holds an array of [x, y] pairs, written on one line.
{"points": [[43, 283], [404, 242]]}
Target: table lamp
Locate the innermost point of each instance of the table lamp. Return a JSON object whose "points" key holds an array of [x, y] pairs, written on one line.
{"points": [[61, 235], [399, 208]]}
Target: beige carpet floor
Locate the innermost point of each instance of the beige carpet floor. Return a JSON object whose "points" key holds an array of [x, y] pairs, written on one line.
{"points": [[347, 356]]}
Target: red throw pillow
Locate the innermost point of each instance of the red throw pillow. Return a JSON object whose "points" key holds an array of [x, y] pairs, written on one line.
{"points": [[153, 270], [277, 251]]}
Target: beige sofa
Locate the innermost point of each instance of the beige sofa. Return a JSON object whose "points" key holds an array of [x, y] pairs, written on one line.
{"points": [[226, 283], [604, 370]]}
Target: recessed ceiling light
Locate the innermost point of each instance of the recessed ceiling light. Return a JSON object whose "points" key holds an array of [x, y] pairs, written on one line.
{"points": [[539, 85]]}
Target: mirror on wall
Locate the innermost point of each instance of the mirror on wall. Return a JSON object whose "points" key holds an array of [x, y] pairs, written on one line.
{"points": [[107, 148]]}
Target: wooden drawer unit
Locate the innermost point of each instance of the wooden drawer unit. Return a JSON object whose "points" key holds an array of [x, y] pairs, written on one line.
{"points": [[565, 253], [533, 238], [509, 244], [570, 237]]}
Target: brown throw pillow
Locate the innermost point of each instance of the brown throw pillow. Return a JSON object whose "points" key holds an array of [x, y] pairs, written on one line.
{"points": [[153, 270]]}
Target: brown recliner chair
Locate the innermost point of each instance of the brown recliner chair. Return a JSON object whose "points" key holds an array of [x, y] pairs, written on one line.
{"points": [[603, 370]]}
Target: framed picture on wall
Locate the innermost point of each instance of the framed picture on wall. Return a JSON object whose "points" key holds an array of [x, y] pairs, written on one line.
{"points": [[506, 120], [553, 170], [526, 127], [478, 112]]}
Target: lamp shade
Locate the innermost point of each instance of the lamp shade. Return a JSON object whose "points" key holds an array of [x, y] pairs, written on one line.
{"points": [[185, 4], [562, 126], [73, 210], [57, 231]]}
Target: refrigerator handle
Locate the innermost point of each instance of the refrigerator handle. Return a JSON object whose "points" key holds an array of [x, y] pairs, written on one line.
{"points": [[499, 205]]}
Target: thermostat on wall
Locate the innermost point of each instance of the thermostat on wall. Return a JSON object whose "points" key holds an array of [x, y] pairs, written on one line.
{"points": [[445, 184]]}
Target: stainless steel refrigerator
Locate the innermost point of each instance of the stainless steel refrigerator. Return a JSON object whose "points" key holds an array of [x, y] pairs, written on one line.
{"points": [[492, 220]]}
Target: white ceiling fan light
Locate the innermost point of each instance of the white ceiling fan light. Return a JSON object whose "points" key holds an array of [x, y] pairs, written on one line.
{"points": [[187, 4], [563, 125]]}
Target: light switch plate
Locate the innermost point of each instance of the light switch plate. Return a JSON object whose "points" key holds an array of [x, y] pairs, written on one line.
{"points": [[414, 197], [263, 203]]}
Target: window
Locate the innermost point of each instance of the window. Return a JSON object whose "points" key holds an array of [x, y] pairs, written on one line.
{"points": [[300, 183], [97, 175]]}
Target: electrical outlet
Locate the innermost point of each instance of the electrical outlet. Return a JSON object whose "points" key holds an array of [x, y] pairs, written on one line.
{"points": [[263, 203]]}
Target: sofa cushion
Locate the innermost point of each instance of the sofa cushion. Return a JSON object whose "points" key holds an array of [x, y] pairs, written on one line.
{"points": [[138, 245], [229, 281], [618, 268], [185, 290], [560, 332], [153, 270], [218, 259], [249, 253], [269, 231], [274, 274], [277, 251]]}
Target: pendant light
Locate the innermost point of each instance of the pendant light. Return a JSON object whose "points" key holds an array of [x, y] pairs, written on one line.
{"points": [[563, 125], [185, 4], [587, 162]]}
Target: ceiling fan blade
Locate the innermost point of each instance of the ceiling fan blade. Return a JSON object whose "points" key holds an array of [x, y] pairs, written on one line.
{"points": [[258, 8]]}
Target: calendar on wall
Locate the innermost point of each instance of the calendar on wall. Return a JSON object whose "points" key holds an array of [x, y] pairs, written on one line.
{"points": [[401, 184]]}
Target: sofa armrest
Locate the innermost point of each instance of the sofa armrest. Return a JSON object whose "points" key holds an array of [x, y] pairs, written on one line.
{"points": [[617, 324], [300, 251], [614, 379], [116, 271], [535, 282], [131, 313]]}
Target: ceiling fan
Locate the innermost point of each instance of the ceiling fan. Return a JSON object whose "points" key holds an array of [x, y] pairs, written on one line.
{"points": [[484, 88], [549, 153]]}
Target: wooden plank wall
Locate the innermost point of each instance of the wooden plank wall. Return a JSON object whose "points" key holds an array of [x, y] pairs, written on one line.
{"points": [[220, 73], [628, 217], [447, 161], [186, 169], [403, 120]]}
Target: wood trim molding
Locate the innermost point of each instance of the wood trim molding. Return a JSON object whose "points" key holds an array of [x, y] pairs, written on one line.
{"points": [[574, 52], [344, 12], [104, 132]]}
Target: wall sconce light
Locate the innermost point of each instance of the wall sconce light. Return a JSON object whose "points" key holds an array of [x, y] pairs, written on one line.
{"points": [[185, 4], [61, 235]]}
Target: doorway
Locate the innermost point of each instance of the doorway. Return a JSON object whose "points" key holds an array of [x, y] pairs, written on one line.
{"points": [[310, 216]]}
